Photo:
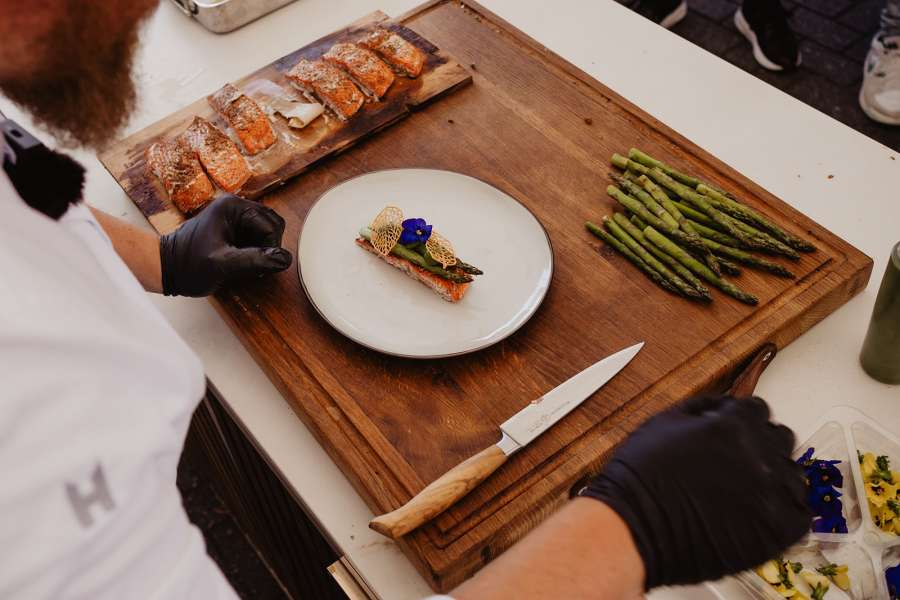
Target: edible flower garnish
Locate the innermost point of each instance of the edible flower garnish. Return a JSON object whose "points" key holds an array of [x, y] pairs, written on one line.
{"points": [[837, 574], [415, 231], [882, 491], [892, 575], [822, 479]]}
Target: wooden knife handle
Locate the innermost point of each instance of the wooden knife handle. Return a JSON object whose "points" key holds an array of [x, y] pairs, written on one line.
{"points": [[745, 383], [440, 494]]}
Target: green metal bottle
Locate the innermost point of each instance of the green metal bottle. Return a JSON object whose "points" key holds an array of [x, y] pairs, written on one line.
{"points": [[880, 356]]}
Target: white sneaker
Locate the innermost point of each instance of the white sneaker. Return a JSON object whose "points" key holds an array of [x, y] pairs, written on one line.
{"points": [[879, 95]]}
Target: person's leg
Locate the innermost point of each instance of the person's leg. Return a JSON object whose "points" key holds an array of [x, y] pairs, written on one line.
{"points": [[765, 25], [879, 95], [663, 12]]}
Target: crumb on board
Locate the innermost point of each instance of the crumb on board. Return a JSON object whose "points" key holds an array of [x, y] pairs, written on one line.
{"points": [[451, 121], [831, 177], [472, 66], [588, 121]]}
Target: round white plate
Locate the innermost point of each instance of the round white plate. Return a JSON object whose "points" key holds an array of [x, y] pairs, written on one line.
{"points": [[377, 306]]}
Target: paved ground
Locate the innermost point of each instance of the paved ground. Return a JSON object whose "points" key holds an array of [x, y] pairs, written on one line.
{"points": [[834, 39]]}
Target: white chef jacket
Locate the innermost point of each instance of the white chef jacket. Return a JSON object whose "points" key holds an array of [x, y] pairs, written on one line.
{"points": [[96, 394]]}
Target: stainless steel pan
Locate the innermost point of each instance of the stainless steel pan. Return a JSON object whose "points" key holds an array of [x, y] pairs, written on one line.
{"points": [[222, 16]]}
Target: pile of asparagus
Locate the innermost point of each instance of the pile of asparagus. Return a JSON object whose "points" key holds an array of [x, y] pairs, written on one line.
{"points": [[683, 232]]}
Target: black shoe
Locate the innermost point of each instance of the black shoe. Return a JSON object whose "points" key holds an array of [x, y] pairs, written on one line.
{"points": [[765, 24], [663, 12]]}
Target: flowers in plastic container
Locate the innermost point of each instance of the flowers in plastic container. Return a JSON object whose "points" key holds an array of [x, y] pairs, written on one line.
{"points": [[822, 479]]}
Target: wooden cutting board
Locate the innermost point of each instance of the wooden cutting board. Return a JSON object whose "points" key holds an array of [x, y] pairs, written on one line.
{"points": [[542, 131]]}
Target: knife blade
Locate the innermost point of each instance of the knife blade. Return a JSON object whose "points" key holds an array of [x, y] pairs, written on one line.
{"points": [[517, 432]]}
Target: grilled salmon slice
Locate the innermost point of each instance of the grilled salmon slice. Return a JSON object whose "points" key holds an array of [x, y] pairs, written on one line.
{"points": [[244, 115], [177, 167], [329, 84], [221, 158], [364, 67], [448, 290], [403, 56]]}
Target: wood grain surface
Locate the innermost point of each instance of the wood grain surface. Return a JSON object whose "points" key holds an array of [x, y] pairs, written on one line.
{"points": [[295, 150], [542, 131]]}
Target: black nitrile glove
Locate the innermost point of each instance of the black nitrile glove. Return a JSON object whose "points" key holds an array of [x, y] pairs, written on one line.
{"points": [[707, 489], [231, 239]]}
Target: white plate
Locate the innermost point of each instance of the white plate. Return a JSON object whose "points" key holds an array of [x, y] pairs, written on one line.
{"points": [[379, 307]]}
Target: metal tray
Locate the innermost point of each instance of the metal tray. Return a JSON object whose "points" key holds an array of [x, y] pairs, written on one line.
{"points": [[222, 16]]}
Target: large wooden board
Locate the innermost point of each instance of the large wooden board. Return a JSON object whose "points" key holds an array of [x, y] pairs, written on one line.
{"points": [[295, 150], [543, 131]]}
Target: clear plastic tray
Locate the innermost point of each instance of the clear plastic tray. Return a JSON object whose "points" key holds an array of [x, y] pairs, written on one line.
{"points": [[865, 549]]}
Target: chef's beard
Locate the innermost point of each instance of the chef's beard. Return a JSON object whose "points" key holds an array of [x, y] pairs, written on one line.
{"points": [[83, 91]]}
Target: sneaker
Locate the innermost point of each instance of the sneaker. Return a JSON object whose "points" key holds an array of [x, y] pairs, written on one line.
{"points": [[879, 95], [667, 13], [765, 25]]}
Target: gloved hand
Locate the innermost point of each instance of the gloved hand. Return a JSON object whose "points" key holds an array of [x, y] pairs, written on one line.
{"points": [[231, 239], [707, 489]]}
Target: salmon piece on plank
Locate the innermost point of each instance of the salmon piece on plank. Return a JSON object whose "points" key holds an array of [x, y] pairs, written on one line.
{"points": [[221, 158], [365, 68], [331, 85], [177, 167], [244, 115], [402, 55]]}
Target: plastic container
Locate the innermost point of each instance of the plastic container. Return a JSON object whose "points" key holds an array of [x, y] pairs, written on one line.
{"points": [[865, 549]]}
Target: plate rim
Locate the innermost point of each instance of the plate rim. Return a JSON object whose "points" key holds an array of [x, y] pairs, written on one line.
{"points": [[526, 319]]}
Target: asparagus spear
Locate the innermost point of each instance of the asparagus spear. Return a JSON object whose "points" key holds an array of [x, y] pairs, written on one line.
{"points": [[684, 178], [663, 199], [696, 266], [717, 236], [631, 256], [629, 165], [417, 259], [748, 259], [745, 213], [632, 228], [421, 249], [764, 241], [683, 287], [640, 210], [652, 205], [729, 268], [467, 268], [700, 202], [648, 161]]}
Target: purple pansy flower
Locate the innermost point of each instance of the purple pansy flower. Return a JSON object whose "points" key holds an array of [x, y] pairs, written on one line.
{"points": [[825, 501], [835, 523], [892, 575], [824, 472], [807, 458], [415, 231]]}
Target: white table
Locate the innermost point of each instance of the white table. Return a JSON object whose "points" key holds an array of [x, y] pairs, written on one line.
{"points": [[782, 144]]}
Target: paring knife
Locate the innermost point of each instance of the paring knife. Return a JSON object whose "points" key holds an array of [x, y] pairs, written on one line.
{"points": [[518, 431]]}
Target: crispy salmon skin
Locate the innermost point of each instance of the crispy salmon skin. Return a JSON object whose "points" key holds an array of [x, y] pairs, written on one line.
{"points": [[402, 55], [448, 290], [244, 115], [365, 68], [329, 84], [221, 158], [177, 167]]}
